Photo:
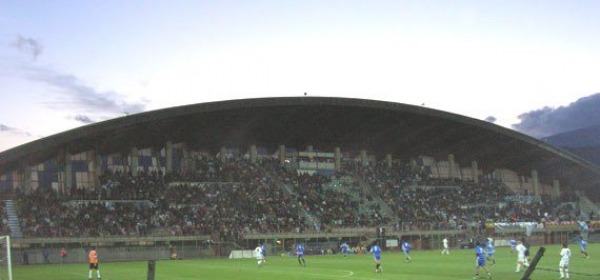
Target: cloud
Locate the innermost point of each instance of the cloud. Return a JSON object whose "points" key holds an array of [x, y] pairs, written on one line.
{"points": [[491, 119], [72, 94], [28, 46], [549, 121], [5, 128], [13, 130], [84, 119]]}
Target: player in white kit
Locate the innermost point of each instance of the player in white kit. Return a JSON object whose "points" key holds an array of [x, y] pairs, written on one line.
{"points": [[521, 258], [446, 250], [563, 265], [258, 253]]}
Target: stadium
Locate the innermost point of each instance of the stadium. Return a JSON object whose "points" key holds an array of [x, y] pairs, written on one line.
{"points": [[209, 182]]}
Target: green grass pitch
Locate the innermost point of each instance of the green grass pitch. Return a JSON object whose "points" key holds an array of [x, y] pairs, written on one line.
{"points": [[425, 265]]}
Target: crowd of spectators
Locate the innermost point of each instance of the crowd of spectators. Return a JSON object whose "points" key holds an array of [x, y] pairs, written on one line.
{"points": [[228, 199], [237, 198], [4, 229], [336, 206], [420, 201]]}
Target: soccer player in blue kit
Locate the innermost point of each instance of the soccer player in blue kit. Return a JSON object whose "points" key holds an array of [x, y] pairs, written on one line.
{"points": [[300, 254], [513, 245], [583, 248], [406, 247], [376, 251], [480, 261], [344, 249]]}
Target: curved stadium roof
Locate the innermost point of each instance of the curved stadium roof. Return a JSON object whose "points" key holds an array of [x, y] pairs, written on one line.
{"points": [[352, 124]]}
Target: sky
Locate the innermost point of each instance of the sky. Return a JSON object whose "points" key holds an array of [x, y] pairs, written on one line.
{"points": [[530, 66]]}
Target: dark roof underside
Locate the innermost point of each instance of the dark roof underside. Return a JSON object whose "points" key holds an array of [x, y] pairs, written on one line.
{"points": [[404, 131]]}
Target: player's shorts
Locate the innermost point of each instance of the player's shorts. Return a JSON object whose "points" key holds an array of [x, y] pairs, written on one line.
{"points": [[94, 266], [563, 263], [521, 259], [300, 255], [480, 262], [377, 257]]}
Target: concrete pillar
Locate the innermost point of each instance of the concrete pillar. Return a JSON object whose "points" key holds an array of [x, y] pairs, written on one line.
{"points": [[556, 187], [309, 148], [68, 180], [338, 158], [134, 163], [155, 159], [96, 165], [475, 171], [169, 157], [282, 154], [496, 174], [223, 153], [253, 153], [25, 171], [535, 183], [388, 160], [186, 159], [363, 157], [451, 173]]}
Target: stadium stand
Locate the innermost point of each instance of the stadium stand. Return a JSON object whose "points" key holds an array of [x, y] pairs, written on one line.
{"points": [[237, 197], [238, 172]]}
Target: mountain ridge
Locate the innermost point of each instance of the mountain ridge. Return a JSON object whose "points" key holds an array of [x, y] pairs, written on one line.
{"points": [[584, 142]]}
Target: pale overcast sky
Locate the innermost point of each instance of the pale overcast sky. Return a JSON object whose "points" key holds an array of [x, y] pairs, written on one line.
{"points": [[529, 65]]}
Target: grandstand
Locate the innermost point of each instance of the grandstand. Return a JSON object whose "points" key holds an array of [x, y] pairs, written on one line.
{"points": [[214, 177]]}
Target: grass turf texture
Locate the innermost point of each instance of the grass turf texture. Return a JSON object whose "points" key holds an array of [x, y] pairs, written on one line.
{"points": [[424, 265]]}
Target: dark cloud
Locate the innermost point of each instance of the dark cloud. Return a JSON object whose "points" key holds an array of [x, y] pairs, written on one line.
{"points": [[84, 119], [549, 121], [491, 119], [28, 46], [71, 94]]}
